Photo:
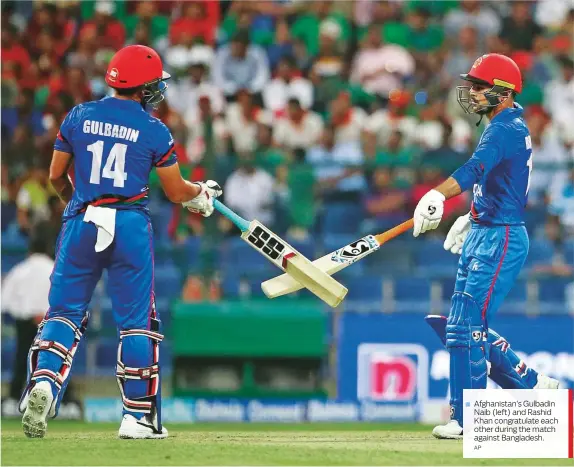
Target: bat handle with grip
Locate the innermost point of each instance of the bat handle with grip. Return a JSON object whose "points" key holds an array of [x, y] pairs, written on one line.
{"points": [[241, 223], [395, 231]]}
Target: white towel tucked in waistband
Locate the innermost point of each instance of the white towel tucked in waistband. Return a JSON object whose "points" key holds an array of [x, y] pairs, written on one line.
{"points": [[105, 220]]}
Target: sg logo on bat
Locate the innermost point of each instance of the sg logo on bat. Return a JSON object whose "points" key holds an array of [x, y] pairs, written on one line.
{"points": [[356, 250], [266, 242]]}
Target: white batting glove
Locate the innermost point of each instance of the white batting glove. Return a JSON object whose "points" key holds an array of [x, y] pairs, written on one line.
{"points": [[457, 234], [203, 202], [428, 212]]}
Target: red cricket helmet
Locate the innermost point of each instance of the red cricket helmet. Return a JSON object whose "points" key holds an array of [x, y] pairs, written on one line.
{"points": [[499, 73], [133, 66], [495, 70]]}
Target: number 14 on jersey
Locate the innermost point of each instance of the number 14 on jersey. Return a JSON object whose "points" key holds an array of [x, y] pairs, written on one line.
{"points": [[117, 155]]}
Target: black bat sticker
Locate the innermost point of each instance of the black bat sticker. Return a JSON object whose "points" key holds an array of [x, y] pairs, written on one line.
{"points": [[355, 249], [266, 242]]}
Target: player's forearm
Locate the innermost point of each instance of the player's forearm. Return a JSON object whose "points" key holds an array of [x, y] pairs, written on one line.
{"points": [[189, 190], [449, 188], [63, 187]]}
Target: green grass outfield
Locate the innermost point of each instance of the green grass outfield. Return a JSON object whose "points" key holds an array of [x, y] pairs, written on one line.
{"points": [[76, 443]]}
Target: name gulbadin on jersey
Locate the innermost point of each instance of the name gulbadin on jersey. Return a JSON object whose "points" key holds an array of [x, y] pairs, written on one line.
{"points": [[94, 127]]}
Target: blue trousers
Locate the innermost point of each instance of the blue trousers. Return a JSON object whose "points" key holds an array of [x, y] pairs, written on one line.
{"points": [[129, 262], [491, 259], [78, 268]]}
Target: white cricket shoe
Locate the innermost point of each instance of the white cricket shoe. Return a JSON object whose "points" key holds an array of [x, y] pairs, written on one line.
{"points": [[37, 407], [132, 428], [545, 382], [452, 430]]}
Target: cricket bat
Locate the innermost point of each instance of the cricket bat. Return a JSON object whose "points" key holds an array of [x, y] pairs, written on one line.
{"points": [[336, 260], [296, 266]]}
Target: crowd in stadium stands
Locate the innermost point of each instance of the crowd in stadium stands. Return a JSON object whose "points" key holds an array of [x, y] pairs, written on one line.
{"points": [[297, 108]]}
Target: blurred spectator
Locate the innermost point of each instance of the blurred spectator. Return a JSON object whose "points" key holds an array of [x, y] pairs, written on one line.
{"points": [[84, 56], [180, 57], [472, 13], [385, 204], [20, 154], [267, 156], [184, 94], [338, 167], [299, 128], [25, 297], [562, 199], [549, 155], [303, 58], [248, 191], [302, 201], [240, 65], [519, 31], [146, 16], [320, 21], [347, 120], [32, 199], [198, 19], [461, 55], [24, 112], [329, 60], [445, 157], [196, 125], [422, 35], [109, 31], [287, 83], [282, 46], [241, 119], [172, 119], [13, 52], [380, 68], [559, 93], [380, 124], [402, 159], [552, 14], [73, 82], [433, 121], [556, 265]]}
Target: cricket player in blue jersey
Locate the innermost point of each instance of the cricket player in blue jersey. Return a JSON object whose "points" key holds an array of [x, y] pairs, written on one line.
{"points": [[492, 237], [113, 144]]}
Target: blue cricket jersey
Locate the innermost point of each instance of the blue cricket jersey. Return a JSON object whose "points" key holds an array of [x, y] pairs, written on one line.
{"points": [[499, 171], [115, 144]]}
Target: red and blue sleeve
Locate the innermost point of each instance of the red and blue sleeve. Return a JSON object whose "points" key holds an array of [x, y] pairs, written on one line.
{"points": [[487, 155], [164, 155], [64, 137]]}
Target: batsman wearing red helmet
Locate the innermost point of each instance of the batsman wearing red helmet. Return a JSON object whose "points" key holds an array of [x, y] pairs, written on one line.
{"points": [[114, 144], [491, 238]]}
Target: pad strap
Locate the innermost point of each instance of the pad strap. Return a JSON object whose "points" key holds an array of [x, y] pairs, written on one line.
{"points": [[150, 373], [58, 378]]}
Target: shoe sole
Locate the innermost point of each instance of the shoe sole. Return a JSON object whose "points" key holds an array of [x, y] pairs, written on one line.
{"points": [[145, 436], [436, 435], [34, 419]]}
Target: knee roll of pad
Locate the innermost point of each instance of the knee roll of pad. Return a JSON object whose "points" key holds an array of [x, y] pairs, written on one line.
{"points": [[51, 356]]}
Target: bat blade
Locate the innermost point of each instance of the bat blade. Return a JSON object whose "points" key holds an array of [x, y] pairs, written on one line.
{"points": [[328, 264], [302, 271]]}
